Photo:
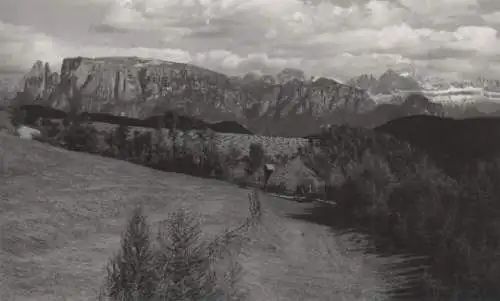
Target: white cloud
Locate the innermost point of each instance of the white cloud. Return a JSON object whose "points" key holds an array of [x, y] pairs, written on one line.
{"points": [[410, 42], [475, 38], [493, 17], [20, 47], [236, 36], [441, 11]]}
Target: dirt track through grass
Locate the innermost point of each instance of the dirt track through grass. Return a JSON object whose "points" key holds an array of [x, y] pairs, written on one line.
{"points": [[61, 215]]}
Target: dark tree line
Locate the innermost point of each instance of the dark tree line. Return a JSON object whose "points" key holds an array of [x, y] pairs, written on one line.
{"points": [[193, 153], [388, 187]]}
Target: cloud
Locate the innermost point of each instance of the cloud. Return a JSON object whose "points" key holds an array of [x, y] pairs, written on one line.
{"points": [[20, 47], [493, 17], [442, 11], [321, 37]]}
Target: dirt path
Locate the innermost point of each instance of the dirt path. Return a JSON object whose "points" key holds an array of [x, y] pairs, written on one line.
{"points": [[309, 262], [61, 215]]}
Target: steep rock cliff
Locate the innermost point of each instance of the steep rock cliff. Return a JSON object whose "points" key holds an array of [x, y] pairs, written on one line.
{"points": [[141, 88], [38, 84]]}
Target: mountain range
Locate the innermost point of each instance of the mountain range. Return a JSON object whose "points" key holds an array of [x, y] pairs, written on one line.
{"points": [[481, 93], [286, 104]]}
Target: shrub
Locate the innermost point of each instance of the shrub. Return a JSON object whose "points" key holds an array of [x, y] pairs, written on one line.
{"points": [[184, 268], [367, 186], [233, 156], [121, 141], [4, 163], [279, 188], [256, 156], [181, 265], [81, 137], [5, 122], [392, 186], [130, 274], [17, 115]]}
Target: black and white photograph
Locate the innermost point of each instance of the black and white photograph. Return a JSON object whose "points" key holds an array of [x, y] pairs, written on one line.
{"points": [[249, 150]]}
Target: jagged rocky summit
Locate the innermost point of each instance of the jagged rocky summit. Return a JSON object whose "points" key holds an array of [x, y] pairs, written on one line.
{"points": [[286, 104], [480, 92]]}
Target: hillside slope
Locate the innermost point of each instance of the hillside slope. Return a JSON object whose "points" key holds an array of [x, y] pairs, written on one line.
{"points": [[61, 215], [451, 142]]}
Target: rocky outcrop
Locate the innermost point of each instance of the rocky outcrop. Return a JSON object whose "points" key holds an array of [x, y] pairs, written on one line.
{"points": [[414, 104], [40, 82], [289, 74], [390, 82], [139, 88]]}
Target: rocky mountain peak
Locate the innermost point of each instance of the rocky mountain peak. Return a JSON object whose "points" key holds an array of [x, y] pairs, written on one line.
{"points": [[392, 81], [286, 104], [388, 83], [364, 81], [289, 74], [40, 82]]}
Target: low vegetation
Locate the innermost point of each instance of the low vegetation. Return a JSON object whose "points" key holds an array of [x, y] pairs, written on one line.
{"points": [[167, 150], [4, 163], [454, 143], [394, 189], [257, 156], [197, 153], [376, 180], [179, 264]]}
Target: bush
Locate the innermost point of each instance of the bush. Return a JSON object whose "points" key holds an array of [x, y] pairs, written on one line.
{"points": [[130, 273], [121, 141], [256, 155], [389, 185], [4, 163], [17, 115], [80, 137], [181, 265], [170, 150], [279, 188]]}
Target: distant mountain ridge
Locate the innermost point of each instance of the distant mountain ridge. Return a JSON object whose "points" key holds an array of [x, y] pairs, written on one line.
{"points": [[481, 92], [286, 104]]}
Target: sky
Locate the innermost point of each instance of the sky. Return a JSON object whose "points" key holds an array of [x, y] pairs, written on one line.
{"points": [[451, 39]]}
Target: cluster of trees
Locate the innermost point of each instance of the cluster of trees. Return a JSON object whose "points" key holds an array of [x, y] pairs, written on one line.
{"points": [[177, 263], [392, 188], [168, 150], [193, 153]]}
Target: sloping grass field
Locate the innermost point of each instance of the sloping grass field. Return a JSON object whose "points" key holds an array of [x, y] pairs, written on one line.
{"points": [[62, 213]]}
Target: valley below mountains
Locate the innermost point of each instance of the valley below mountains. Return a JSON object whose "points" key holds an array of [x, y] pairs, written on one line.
{"points": [[287, 104]]}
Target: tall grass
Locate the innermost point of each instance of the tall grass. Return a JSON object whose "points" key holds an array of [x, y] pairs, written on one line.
{"points": [[178, 264]]}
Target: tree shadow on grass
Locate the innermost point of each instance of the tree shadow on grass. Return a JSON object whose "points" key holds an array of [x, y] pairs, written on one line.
{"points": [[411, 268]]}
